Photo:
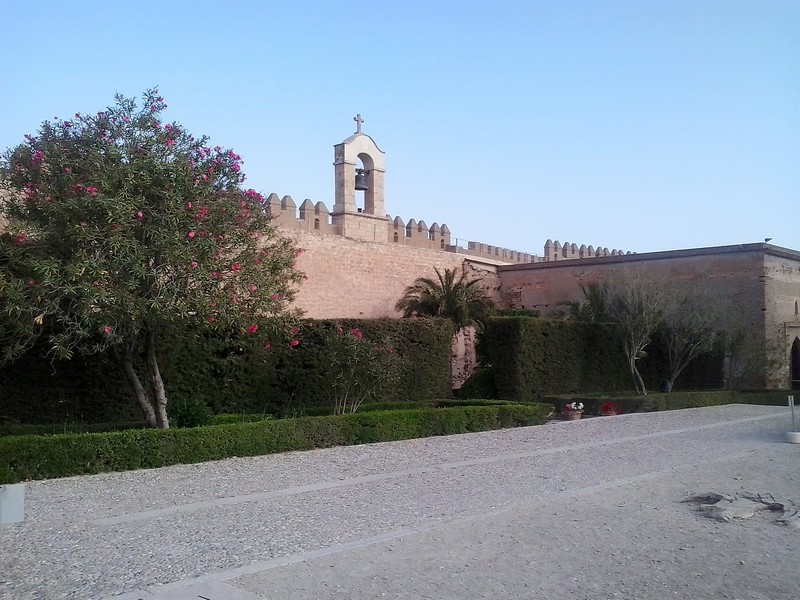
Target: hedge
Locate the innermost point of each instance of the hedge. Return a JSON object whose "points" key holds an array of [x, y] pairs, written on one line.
{"points": [[41, 457], [531, 358], [228, 373], [671, 401]]}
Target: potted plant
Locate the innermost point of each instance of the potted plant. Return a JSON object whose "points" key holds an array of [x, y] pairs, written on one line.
{"points": [[609, 409], [573, 410]]}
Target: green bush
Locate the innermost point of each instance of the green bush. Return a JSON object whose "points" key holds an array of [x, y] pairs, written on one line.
{"points": [[531, 358], [227, 372], [41, 457], [672, 401], [188, 412], [67, 427], [479, 385]]}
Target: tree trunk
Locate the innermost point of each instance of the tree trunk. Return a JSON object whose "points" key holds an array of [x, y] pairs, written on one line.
{"points": [[156, 383], [126, 366]]}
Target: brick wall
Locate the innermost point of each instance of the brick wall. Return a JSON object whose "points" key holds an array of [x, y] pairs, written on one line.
{"points": [[350, 278]]}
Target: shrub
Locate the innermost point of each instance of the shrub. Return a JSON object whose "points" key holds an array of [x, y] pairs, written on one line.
{"points": [[41, 457], [189, 412], [479, 385]]}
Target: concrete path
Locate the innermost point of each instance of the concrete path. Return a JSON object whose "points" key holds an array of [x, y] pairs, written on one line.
{"points": [[583, 509]]}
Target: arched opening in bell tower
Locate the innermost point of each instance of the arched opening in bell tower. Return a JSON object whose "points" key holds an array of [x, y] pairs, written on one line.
{"points": [[795, 364], [365, 173]]}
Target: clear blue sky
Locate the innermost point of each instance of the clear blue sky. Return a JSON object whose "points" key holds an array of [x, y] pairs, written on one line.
{"points": [[638, 125]]}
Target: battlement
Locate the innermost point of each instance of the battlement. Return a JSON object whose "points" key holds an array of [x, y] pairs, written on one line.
{"points": [[315, 217], [556, 251]]}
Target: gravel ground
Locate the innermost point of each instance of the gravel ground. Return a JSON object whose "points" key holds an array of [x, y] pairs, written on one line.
{"points": [[581, 509]]}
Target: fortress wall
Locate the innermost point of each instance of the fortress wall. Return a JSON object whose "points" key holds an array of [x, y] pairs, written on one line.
{"points": [[733, 276], [350, 278], [782, 303]]}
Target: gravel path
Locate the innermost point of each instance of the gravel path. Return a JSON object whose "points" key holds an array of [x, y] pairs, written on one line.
{"points": [[582, 509]]}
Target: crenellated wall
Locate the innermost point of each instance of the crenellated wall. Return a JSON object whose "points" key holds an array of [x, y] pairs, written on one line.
{"points": [[315, 217], [556, 251]]}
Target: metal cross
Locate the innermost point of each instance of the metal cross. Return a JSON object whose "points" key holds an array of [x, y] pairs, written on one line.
{"points": [[358, 121]]}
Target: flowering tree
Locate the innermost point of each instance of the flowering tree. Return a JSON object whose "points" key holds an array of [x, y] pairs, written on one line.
{"points": [[358, 369], [119, 226]]}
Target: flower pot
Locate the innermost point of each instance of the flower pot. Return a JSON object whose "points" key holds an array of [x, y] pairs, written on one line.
{"points": [[793, 437], [573, 415]]}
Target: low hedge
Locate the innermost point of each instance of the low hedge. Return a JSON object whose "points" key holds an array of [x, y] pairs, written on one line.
{"points": [[42, 457], [67, 427], [672, 401]]}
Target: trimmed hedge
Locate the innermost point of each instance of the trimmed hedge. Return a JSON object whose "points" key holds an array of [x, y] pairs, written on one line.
{"points": [[42, 457], [227, 373], [531, 358], [672, 401]]}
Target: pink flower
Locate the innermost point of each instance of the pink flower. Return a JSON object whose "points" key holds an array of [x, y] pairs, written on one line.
{"points": [[236, 267], [299, 251], [194, 264], [92, 191], [107, 329], [275, 297], [214, 275], [126, 119], [253, 328], [356, 332], [77, 188], [294, 344], [170, 142], [31, 283], [267, 346], [211, 319], [167, 127], [37, 157], [140, 215], [189, 205], [252, 288], [67, 169], [191, 234]]}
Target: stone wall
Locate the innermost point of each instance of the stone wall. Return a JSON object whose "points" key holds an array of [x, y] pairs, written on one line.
{"points": [[782, 304], [735, 277], [731, 273], [350, 278]]}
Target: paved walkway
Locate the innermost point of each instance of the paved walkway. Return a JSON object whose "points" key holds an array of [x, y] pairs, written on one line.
{"points": [[584, 509]]}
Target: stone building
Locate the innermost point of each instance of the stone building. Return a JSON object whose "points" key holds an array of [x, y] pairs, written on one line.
{"points": [[359, 260]]}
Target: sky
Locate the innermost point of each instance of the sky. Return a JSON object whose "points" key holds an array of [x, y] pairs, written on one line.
{"points": [[632, 125]]}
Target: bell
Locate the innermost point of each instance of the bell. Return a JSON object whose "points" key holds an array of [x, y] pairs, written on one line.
{"points": [[361, 180]]}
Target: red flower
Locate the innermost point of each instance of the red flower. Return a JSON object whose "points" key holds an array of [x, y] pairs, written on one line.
{"points": [[253, 328], [293, 344]]}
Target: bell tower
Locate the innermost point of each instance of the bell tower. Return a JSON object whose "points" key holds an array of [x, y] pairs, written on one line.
{"points": [[368, 223]]}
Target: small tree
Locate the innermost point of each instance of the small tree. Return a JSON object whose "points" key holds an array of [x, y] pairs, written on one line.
{"points": [[450, 296], [635, 305], [691, 326], [121, 226], [591, 308], [359, 370]]}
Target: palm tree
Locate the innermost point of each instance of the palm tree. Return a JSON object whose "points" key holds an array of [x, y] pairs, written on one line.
{"points": [[591, 309], [453, 297]]}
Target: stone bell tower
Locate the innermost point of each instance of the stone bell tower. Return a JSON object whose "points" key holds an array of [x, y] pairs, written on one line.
{"points": [[369, 222]]}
